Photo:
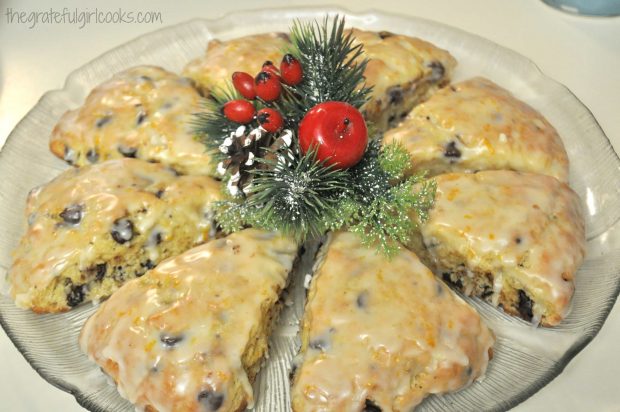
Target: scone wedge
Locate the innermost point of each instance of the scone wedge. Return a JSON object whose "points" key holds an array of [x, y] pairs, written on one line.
{"points": [[92, 229], [143, 112], [190, 335], [477, 125], [513, 239], [382, 334]]}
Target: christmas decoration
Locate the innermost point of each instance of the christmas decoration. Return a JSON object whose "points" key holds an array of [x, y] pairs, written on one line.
{"points": [[291, 71], [338, 132], [244, 84], [304, 163]]}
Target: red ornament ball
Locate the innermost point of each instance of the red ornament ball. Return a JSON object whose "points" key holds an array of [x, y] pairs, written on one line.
{"points": [[244, 83], [267, 86], [239, 111], [291, 71], [338, 132], [270, 119]]}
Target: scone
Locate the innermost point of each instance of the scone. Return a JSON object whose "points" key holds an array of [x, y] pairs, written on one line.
{"points": [[403, 71], [144, 112], [477, 125], [381, 334], [190, 335], [243, 54], [92, 229], [513, 239]]}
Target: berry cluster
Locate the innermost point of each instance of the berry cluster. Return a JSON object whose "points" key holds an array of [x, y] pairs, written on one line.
{"points": [[265, 87]]}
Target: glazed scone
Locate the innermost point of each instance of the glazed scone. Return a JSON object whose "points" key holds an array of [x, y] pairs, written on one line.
{"points": [[144, 112], [190, 335], [477, 125], [382, 334], [243, 54], [514, 239], [92, 229], [403, 71]]}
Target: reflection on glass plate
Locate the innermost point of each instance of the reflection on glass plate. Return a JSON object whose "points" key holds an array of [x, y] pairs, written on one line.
{"points": [[525, 358]]}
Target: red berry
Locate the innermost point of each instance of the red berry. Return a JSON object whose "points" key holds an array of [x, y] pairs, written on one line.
{"points": [[267, 86], [244, 83], [338, 132], [290, 70], [268, 66], [270, 119], [239, 111]]}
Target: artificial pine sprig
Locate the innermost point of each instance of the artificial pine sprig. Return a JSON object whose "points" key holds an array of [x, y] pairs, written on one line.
{"points": [[333, 68]]}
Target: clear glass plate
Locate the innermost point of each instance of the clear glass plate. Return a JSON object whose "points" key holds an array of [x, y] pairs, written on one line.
{"points": [[526, 358]]}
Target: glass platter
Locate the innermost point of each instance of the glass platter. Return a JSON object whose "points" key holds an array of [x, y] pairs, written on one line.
{"points": [[525, 358]]}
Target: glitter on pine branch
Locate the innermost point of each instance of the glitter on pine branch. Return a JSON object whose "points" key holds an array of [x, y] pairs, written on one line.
{"points": [[385, 208], [292, 193], [333, 68]]}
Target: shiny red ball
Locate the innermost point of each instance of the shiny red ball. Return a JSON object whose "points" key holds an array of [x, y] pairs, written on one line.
{"points": [[338, 132], [291, 71], [239, 111], [244, 83], [267, 86], [270, 119]]}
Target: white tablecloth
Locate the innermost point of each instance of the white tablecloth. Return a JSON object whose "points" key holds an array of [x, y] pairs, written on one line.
{"points": [[581, 52]]}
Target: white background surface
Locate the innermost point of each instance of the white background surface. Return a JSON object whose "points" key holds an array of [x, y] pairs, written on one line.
{"points": [[582, 53]]}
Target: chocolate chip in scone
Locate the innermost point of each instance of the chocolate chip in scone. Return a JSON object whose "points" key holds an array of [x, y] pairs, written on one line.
{"points": [[452, 151], [211, 401], [437, 71], [396, 95], [92, 156], [69, 155], [447, 277], [155, 238], [102, 121], [122, 230], [148, 264], [127, 151], [100, 271], [525, 306], [160, 193], [370, 406], [145, 79], [362, 300], [385, 34], [391, 119], [518, 240], [76, 295], [72, 214], [141, 117], [170, 341]]}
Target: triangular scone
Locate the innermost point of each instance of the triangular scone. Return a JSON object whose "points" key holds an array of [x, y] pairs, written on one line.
{"points": [[477, 125], [513, 239], [383, 332], [190, 335], [403, 72], [92, 229], [143, 112], [243, 54]]}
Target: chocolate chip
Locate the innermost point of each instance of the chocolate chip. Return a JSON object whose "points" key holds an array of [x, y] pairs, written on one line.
{"points": [[319, 344], [92, 155], [452, 151], [76, 295], [518, 240], [487, 292], [122, 230], [448, 279], [148, 264], [72, 214], [141, 117], [100, 271], [453, 88], [395, 95], [69, 155], [170, 341], [385, 34], [159, 193], [210, 401], [362, 300], [127, 151], [145, 78], [370, 406], [525, 306], [391, 119], [437, 71], [103, 121]]}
